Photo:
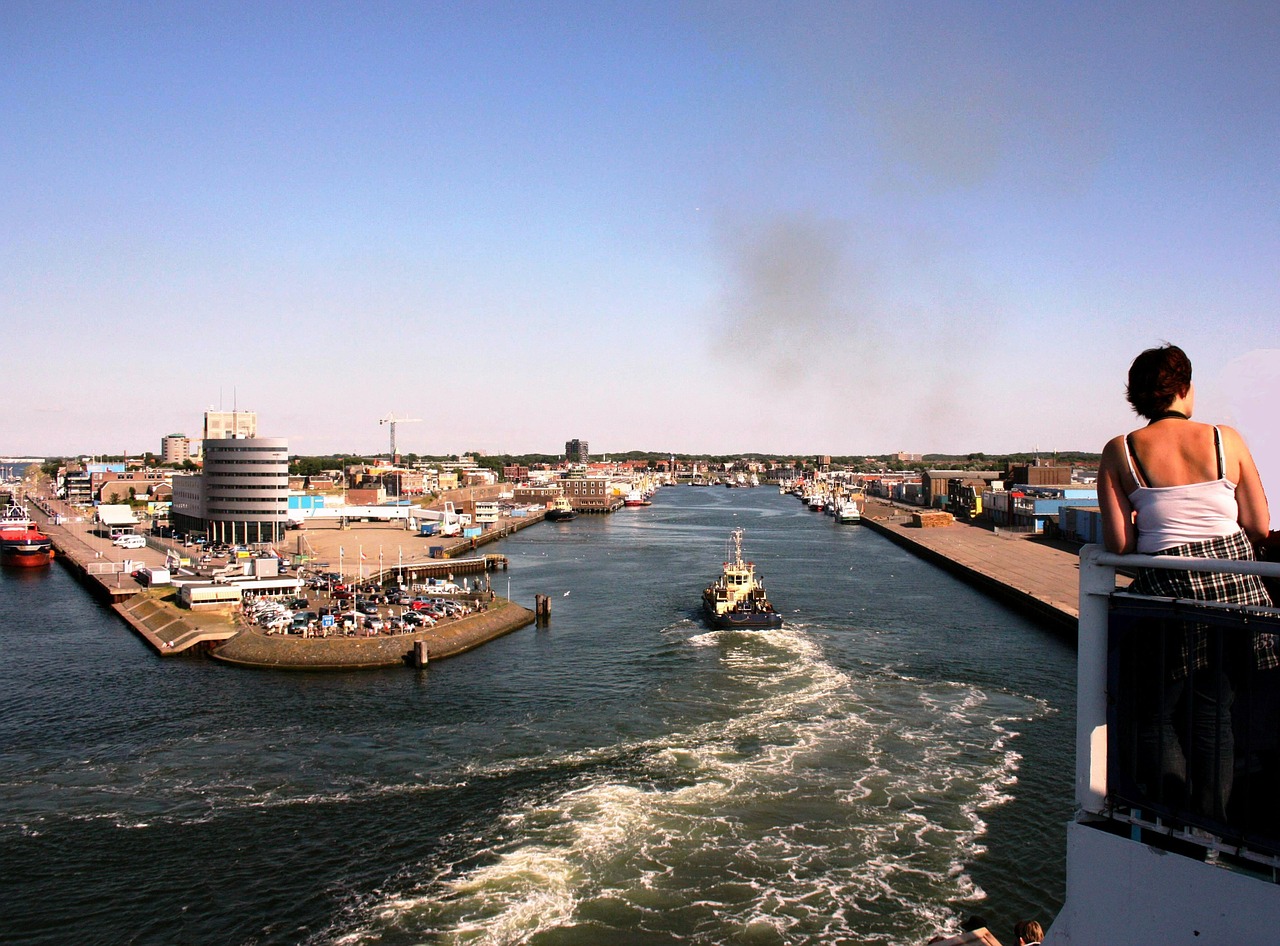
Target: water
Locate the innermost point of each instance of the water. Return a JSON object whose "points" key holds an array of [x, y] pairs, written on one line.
{"points": [[898, 756]]}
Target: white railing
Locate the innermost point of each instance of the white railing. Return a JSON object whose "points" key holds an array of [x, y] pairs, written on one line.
{"points": [[1097, 585]]}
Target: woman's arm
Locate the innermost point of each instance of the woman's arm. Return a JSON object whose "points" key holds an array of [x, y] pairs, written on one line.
{"points": [[1254, 516], [1118, 530]]}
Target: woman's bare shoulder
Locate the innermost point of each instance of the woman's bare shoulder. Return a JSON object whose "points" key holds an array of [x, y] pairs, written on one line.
{"points": [[1234, 443], [1114, 448]]}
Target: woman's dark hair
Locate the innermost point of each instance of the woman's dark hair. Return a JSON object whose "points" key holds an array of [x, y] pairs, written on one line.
{"points": [[1156, 377], [1028, 931]]}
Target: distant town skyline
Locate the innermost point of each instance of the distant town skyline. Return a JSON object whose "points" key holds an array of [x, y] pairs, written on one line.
{"points": [[804, 228]]}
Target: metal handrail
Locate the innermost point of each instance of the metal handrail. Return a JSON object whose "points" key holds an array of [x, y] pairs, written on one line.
{"points": [[1097, 584], [1102, 557]]}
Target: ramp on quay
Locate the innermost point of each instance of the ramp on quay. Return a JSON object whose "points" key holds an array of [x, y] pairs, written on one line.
{"points": [[169, 630]]}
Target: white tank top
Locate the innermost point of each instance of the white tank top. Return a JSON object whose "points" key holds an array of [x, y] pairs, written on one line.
{"points": [[1175, 515]]}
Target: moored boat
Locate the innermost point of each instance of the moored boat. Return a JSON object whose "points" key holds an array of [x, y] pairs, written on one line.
{"points": [[561, 510], [850, 508], [848, 512], [737, 598], [22, 544]]}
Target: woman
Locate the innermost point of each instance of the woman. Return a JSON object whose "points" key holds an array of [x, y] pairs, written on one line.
{"points": [[1181, 488], [1187, 482]]}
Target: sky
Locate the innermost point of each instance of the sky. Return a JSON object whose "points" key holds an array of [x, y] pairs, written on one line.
{"points": [[699, 227]]}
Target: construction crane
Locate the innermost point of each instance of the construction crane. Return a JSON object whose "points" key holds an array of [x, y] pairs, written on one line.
{"points": [[392, 419]]}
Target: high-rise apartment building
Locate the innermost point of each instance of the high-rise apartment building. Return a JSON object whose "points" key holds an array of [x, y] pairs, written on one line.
{"points": [[175, 448], [576, 451]]}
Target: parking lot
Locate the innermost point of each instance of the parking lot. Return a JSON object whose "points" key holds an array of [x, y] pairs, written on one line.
{"points": [[331, 607]]}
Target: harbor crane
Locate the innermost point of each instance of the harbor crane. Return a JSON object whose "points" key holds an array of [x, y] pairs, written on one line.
{"points": [[392, 419]]}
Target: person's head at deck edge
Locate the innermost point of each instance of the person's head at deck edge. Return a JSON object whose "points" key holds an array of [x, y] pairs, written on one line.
{"points": [[1156, 378]]}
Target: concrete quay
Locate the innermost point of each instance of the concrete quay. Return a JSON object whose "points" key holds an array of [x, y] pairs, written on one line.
{"points": [[106, 571], [387, 545], [104, 568], [1036, 576], [169, 630]]}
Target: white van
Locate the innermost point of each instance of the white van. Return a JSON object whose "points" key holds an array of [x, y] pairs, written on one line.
{"points": [[130, 541]]}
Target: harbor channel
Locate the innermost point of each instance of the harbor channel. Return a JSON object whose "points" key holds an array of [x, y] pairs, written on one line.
{"points": [[1036, 576]]}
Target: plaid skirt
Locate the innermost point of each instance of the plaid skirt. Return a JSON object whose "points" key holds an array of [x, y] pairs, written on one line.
{"points": [[1210, 586]]}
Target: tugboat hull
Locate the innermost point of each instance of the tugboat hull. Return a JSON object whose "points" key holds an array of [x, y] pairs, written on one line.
{"points": [[743, 620]]}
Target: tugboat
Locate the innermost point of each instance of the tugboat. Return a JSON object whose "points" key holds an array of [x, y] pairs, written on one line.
{"points": [[737, 599], [561, 510], [22, 544]]}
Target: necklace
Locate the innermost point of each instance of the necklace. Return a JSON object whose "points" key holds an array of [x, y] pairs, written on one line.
{"points": [[1170, 414]]}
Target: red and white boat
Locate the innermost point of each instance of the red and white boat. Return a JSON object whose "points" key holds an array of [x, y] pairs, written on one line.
{"points": [[22, 544]]}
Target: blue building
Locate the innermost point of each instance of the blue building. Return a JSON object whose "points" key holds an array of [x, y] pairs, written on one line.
{"points": [[1030, 508]]}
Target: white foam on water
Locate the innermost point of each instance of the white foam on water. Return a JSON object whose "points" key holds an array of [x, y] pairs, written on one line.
{"points": [[828, 806]]}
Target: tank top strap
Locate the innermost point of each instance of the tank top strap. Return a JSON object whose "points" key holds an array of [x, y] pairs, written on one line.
{"points": [[1222, 452], [1131, 455]]}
